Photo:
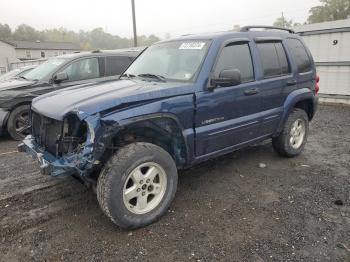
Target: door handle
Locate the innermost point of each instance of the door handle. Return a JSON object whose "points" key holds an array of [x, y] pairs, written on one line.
{"points": [[252, 91], [292, 82]]}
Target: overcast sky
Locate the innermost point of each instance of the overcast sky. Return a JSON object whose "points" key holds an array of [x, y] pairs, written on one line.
{"points": [[153, 16]]}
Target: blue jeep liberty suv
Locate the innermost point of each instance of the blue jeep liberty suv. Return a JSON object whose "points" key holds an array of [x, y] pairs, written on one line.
{"points": [[181, 102]]}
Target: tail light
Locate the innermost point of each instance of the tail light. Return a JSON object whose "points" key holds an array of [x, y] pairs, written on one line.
{"points": [[317, 87]]}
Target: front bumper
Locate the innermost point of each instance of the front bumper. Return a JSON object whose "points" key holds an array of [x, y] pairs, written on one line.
{"points": [[3, 118], [49, 164]]}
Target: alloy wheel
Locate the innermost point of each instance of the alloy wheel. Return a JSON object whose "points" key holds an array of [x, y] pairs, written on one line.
{"points": [[297, 134], [144, 188]]}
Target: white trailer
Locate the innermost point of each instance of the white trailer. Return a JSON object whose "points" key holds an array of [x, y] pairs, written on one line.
{"points": [[329, 43]]}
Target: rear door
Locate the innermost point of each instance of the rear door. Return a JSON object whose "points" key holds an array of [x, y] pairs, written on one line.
{"points": [[274, 77], [228, 116], [116, 65]]}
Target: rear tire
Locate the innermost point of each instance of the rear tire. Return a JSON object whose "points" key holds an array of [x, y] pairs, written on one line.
{"points": [[18, 123], [291, 141], [137, 185]]}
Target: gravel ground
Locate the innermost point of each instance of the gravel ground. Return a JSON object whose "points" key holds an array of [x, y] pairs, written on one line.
{"points": [[227, 209]]}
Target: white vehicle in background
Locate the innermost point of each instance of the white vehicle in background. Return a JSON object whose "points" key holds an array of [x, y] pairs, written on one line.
{"points": [[15, 73]]}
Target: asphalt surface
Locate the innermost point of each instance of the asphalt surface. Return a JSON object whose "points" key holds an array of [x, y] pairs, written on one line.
{"points": [[227, 209]]}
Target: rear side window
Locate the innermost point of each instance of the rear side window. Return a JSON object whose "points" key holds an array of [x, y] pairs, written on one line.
{"points": [[274, 59], [236, 56], [115, 65], [282, 57], [299, 55]]}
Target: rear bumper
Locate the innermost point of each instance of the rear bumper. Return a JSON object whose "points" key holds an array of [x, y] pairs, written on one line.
{"points": [[3, 118], [315, 104], [49, 164]]}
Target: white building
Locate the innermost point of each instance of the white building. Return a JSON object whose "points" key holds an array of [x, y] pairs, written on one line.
{"points": [[329, 43], [7, 56], [13, 52], [27, 50]]}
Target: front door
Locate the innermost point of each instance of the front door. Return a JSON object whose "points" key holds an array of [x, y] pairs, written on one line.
{"points": [[228, 117], [82, 71]]}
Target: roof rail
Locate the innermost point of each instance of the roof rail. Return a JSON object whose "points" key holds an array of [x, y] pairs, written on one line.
{"points": [[247, 28]]}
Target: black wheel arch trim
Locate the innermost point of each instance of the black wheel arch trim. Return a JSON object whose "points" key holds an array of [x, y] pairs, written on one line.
{"points": [[138, 119], [292, 99]]}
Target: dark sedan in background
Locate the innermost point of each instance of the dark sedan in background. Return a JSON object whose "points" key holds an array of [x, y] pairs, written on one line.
{"points": [[56, 73]]}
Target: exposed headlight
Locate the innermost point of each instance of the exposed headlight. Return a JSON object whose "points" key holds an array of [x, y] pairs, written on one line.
{"points": [[92, 133], [74, 134]]}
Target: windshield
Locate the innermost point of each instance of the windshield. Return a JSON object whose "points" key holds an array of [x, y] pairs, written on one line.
{"points": [[177, 60], [44, 69], [9, 75]]}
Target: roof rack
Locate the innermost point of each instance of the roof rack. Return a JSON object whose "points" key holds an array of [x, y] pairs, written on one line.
{"points": [[247, 28]]}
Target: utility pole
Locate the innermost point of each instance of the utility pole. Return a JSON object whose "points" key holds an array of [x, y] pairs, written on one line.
{"points": [[134, 21], [283, 22]]}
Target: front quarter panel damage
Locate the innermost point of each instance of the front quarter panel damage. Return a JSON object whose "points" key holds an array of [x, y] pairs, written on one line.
{"points": [[165, 122], [98, 140], [85, 158]]}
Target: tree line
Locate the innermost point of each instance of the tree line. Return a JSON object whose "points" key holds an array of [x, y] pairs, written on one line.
{"points": [[87, 40], [328, 10]]}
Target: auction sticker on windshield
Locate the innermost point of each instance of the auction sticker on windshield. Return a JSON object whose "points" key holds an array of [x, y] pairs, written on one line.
{"points": [[192, 45]]}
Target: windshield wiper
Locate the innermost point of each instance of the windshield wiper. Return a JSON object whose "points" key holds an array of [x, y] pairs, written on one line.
{"points": [[154, 76], [22, 77], [128, 75]]}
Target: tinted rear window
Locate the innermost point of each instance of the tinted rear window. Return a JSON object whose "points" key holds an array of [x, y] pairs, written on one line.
{"points": [[115, 65], [299, 55], [282, 58], [274, 59]]}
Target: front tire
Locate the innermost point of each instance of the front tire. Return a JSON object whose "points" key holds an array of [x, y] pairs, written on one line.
{"points": [[291, 141], [18, 123], [137, 185]]}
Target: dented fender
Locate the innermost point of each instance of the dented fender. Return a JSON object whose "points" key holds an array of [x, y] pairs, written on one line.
{"points": [[82, 162]]}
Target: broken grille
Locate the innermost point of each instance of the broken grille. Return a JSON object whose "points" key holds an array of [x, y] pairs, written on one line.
{"points": [[58, 137], [46, 132]]}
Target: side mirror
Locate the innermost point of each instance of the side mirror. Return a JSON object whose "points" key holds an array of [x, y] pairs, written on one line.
{"points": [[61, 76], [227, 77]]}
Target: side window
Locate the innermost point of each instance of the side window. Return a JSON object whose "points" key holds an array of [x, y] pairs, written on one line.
{"points": [[282, 59], [236, 56], [300, 55], [274, 59], [83, 69], [115, 65]]}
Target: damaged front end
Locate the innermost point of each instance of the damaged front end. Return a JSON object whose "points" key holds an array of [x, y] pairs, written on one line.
{"points": [[74, 145]]}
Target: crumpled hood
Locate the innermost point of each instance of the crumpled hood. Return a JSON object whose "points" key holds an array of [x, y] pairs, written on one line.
{"points": [[15, 84], [93, 98]]}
